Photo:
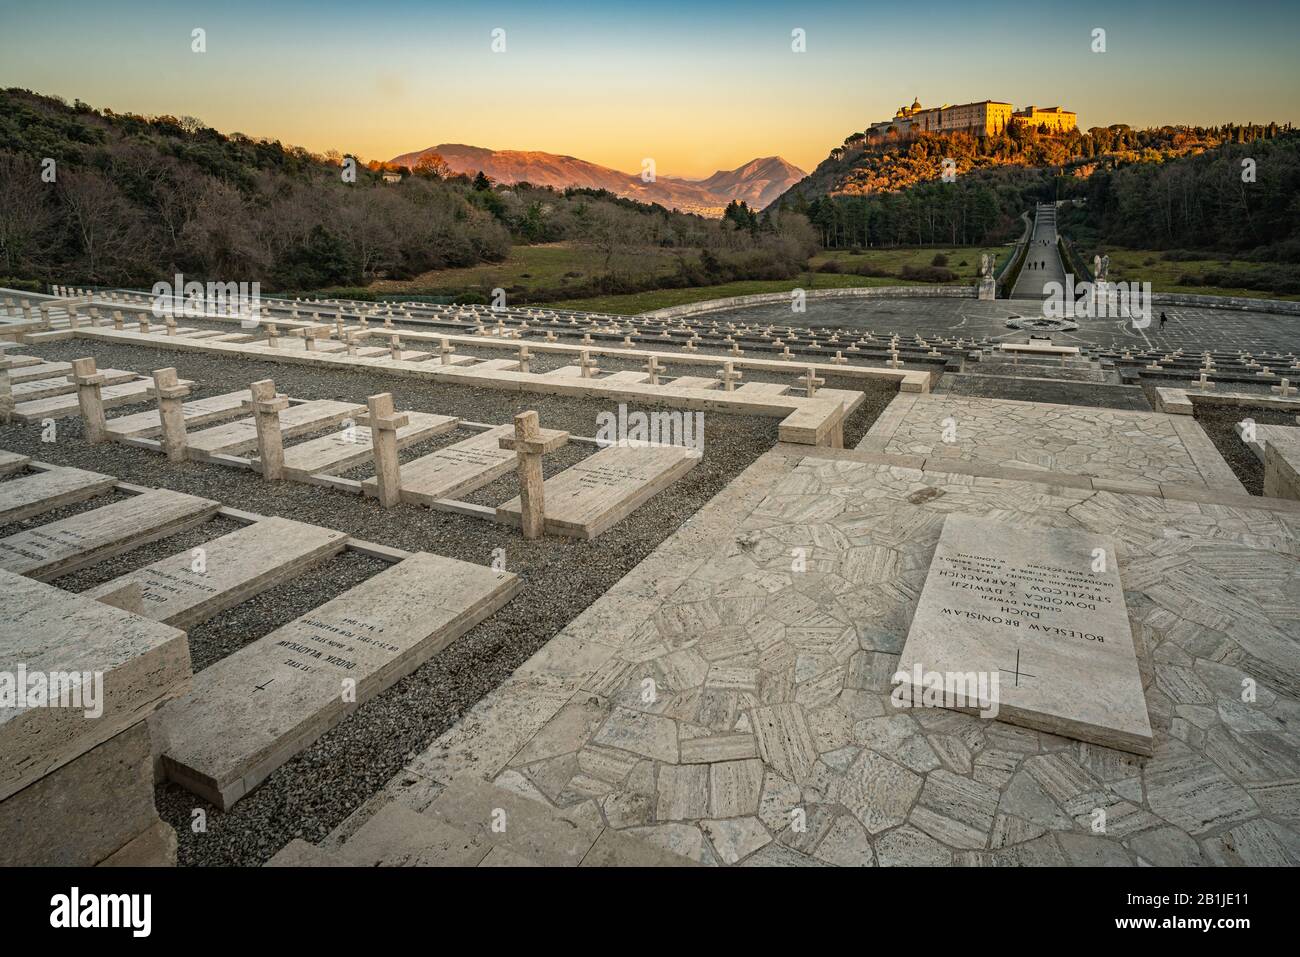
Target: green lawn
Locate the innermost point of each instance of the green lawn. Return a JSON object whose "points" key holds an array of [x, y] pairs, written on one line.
{"points": [[893, 260], [528, 269], [1139, 265]]}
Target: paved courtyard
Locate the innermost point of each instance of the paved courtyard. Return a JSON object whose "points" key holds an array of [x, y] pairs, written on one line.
{"points": [[1194, 329], [768, 736]]}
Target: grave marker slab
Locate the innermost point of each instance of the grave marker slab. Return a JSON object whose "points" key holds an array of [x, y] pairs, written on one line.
{"points": [[198, 412], [62, 406], [235, 567], [45, 629], [41, 370], [12, 462], [254, 710], [235, 437], [39, 492], [62, 547], [692, 382], [1026, 605], [34, 389], [587, 498], [450, 471], [330, 454]]}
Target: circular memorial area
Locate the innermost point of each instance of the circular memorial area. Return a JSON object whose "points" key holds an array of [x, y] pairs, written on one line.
{"points": [[1041, 324]]}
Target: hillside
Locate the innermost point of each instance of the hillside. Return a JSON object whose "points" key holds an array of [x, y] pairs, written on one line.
{"points": [[757, 182]]}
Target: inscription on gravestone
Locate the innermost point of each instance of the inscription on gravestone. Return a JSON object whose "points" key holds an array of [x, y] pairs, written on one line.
{"points": [[1031, 624]]}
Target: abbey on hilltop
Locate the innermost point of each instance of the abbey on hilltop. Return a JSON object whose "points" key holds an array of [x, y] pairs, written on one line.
{"points": [[985, 118]]}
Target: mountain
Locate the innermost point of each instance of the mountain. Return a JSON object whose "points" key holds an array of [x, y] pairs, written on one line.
{"points": [[757, 183]]}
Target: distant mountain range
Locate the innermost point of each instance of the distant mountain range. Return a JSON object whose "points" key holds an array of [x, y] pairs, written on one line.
{"points": [[757, 183]]}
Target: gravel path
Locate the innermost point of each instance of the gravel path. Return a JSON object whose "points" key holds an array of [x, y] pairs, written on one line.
{"points": [[318, 789]]}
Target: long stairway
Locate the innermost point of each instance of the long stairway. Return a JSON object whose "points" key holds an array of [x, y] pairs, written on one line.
{"points": [[1043, 255], [473, 824]]}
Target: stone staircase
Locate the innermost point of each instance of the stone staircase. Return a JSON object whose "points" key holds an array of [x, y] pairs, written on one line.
{"points": [[471, 823]]}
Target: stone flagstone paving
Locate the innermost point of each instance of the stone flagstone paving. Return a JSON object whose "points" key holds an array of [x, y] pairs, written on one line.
{"points": [[1112, 444], [721, 705]]}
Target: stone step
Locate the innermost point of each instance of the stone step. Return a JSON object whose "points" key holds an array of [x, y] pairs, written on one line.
{"points": [[397, 836], [298, 853]]}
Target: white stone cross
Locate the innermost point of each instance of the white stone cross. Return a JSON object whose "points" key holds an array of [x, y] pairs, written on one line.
{"points": [[653, 368], [266, 406], [89, 398], [588, 367], [1203, 382], [811, 381], [525, 357], [530, 443], [384, 423], [729, 375], [395, 346], [445, 350], [169, 392], [1284, 389]]}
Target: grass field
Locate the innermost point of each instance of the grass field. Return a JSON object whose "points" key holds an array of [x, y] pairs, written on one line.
{"points": [[1140, 265], [546, 267]]}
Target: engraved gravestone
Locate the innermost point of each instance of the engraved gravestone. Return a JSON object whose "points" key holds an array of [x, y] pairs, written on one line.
{"points": [[1035, 618]]}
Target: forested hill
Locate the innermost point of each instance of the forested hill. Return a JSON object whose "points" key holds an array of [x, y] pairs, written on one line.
{"points": [[135, 199], [891, 191]]}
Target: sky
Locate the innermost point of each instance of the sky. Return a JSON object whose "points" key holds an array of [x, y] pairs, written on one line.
{"points": [[695, 86]]}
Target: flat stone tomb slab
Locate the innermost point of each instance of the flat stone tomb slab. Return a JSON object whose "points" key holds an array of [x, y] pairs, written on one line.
{"points": [[62, 406], [763, 388], [29, 495], [453, 470], [1023, 608], [494, 365], [254, 710], [12, 462], [587, 498], [59, 385], [62, 547], [240, 436], [234, 568], [692, 382], [343, 450], [198, 412], [22, 362], [42, 370], [627, 375], [1281, 461], [45, 629]]}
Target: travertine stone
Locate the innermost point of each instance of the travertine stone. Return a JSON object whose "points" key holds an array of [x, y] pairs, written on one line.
{"points": [[457, 468], [187, 589], [256, 709], [589, 497], [12, 462], [1042, 610], [30, 390], [85, 810], [241, 436], [62, 406], [39, 492], [48, 551], [45, 630], [529, 443], [155, 846], [331, 454], [196, 412]]}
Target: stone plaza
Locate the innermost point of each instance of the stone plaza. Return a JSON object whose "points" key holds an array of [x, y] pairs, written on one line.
{"points": [[924, 589]]}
